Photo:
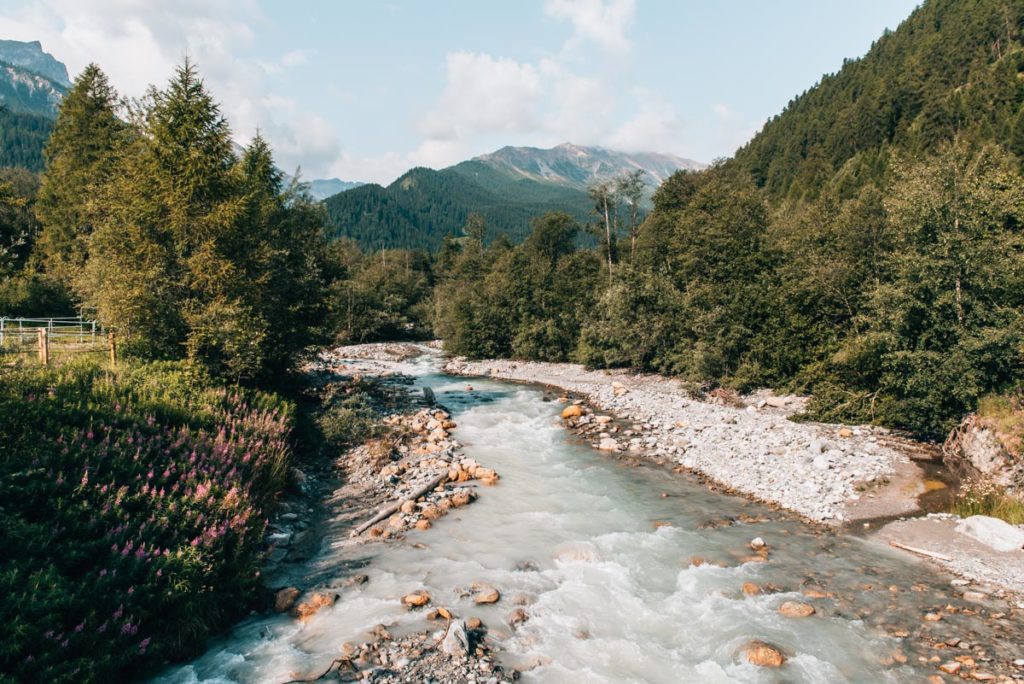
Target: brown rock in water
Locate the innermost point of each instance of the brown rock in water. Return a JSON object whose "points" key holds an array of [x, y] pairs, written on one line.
{"points": [[815, 593], [763, 654], [932, 617], [431, 512], [796, 609], [448, 424], [416, 599], [445, 613], [485, 593], [952, 667], [312, 605], [408, 506], [489, 481], [285, 599], [573, 411], [460, 499], [474, 623], [423, 525], [518, 617], [751, 589]]}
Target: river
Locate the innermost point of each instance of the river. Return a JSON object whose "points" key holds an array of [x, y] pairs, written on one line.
{"points": [[602, 554]]}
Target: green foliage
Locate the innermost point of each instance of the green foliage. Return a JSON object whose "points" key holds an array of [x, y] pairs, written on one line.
{"points": [[79, 161], [986, 499], [22, 138], [172, 240], [953, 68], [419, 209], [379, 296], [133, 514]]}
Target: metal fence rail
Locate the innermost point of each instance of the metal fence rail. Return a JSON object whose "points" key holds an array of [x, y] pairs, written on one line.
{"points": [[44, 337]]}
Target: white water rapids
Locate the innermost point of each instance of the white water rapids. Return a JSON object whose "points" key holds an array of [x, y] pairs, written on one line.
{"points": [[611, 598]]}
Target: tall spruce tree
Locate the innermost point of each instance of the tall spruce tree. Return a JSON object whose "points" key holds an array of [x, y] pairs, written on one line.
{"points": [[79, 161]]}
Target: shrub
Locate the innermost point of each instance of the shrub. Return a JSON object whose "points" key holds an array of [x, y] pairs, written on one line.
{"points": [[132, 512]]}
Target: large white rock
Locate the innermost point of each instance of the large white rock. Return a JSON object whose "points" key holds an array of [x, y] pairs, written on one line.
{"points": [[992, 532]]}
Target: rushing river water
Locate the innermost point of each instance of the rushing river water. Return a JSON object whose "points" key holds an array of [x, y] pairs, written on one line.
{"points": [[612, 597]]}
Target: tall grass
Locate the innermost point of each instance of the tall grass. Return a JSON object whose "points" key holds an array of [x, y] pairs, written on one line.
{"points": [[132, 510]]}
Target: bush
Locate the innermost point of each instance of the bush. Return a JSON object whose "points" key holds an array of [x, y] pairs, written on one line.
{"points": [[132, 512]]}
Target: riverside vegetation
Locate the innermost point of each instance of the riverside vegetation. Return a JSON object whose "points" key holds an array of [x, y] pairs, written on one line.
{"points": [[864, 248]]}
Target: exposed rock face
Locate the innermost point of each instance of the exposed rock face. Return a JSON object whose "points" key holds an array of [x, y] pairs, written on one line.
{"points": [[974, 452]]}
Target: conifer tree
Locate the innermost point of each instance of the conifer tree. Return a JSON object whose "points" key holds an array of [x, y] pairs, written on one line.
{"points": [[79, 160]]}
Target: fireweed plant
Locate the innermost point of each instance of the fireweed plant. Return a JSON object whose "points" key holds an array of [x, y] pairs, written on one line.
{"points": [[133, 505]]}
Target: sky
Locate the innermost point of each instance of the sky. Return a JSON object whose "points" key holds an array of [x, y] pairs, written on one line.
{"points": [[364, 90]]}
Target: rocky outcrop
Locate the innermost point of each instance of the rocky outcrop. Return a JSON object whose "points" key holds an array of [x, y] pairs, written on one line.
{"points": [[974, 452]]}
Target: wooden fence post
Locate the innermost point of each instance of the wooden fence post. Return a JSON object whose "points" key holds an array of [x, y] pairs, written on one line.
{"points": [[113, 348], [44, 347]]}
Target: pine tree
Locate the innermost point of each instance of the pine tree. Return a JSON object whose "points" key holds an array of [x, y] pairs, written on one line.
{"points": [[79, 160]]}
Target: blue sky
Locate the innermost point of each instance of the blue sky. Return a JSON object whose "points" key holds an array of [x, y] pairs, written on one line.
{"points": [[364, 90]]}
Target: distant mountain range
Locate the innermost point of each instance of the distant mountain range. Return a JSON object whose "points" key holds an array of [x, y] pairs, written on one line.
{"points": [[508, 188], [322, 188], [575, 166]]}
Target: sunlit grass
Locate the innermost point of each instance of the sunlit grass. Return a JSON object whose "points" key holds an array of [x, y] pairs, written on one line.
{"points": [[987, 499]]}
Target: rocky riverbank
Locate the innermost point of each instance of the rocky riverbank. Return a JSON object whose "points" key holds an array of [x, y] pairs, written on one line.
{"points": [[826, 473], [859, 477], [409, 473]]}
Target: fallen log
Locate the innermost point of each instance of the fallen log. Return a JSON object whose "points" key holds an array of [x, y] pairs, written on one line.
{"points": [[920, 552], [392, 508]]}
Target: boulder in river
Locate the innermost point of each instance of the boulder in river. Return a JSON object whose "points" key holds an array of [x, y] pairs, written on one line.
{"points": [[285, 599], [312, 605], [416, 599], [992, 532], [573, 411], [796, 609], [763, 654], [485, 593]]}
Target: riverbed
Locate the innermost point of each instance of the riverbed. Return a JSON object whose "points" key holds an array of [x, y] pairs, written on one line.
{"points": [[625, 574]]}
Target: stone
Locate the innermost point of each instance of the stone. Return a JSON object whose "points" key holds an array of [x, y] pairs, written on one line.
{"points": [[485, 593], [518, 617], [763, 654], [974, 596], [751, 589], [845, 432], [408, 506], [992, 532], [796, 609], [952, 667], [285, 599], [757, 544], [423, 525], [431, 512], [445, 613], [777, 402], [603, 420], [460, 499], [416, 599], [474, 623], [456, 643], [608, 444], [313, 604], [572, 411], [932, 617]]}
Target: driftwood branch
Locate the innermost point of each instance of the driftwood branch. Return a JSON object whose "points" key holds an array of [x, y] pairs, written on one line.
{"points": [[391, 508], [920, 552], [337, 663]]}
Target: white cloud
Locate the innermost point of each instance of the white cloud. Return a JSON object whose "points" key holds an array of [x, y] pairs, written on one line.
{"points": [[484, 93], [602, 23], [139, 43], [655, 125], [295, 58]]}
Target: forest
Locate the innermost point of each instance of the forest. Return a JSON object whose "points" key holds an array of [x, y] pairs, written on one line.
{"points": [[865, 249]]}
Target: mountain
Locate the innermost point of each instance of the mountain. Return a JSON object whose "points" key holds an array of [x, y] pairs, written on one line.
{"points": [[322, 188], [914, 89], [32, 84], [30, 57], [576, 166], [508, 188]]}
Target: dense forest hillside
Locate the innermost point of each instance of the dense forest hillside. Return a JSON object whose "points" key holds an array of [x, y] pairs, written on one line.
{"points": [[954, 67], [864, 248], [419, 209], [508, 188]]}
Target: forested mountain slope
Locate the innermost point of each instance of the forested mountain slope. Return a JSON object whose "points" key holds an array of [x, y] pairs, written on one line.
{"points": [[953, 67]]}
